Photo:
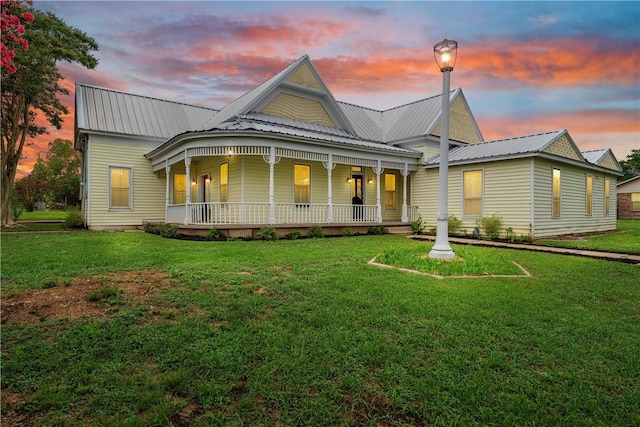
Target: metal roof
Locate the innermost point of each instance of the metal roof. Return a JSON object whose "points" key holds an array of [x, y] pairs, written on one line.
{"points": [[595, 156], [112, 111], [262, 123], [503, 148]]}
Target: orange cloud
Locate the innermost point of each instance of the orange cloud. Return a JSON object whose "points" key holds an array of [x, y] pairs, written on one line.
{"points": [[563, 62]]}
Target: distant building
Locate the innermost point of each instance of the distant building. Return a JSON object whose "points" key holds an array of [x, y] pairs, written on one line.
{"points": [[629, 198]]}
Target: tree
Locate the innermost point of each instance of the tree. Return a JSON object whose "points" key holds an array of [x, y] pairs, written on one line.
{"points": [[631, 166], [59, 174], [35, 87], [12, 29]]}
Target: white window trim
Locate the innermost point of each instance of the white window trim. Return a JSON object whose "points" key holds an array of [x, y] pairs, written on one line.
{"points": [[395, 191], [552, 195], [293, 187], [119, 208], [607, 206], [462, 210], [220, 181], [586, 194]]}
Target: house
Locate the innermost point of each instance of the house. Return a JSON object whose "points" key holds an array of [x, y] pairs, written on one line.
{"points": [[288, 154], [629, 198]]}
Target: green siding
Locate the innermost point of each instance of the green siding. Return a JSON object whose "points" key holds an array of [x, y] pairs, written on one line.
{"points": [[148, 189]]}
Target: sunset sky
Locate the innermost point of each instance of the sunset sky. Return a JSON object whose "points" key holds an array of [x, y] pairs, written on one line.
{"points": [[525, 67]]}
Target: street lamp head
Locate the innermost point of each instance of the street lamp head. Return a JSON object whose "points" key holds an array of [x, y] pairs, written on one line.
{"points": [[445, 54]]}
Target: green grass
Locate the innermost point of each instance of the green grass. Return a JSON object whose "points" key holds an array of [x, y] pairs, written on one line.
{"points": [[625, 240], [304, 332], [469, 260], [34, 226], [42, 215]]}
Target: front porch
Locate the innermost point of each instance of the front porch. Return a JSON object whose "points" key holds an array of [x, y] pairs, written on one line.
{"points": [[271, 214]]}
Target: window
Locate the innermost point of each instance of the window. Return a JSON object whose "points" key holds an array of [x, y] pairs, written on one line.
{"points": [[635, 201], [389, 191], [607, 196], [588, 208], [179, 188], [556, 192], [302, 184], [472, 193], [120, 188], [224, 182]]}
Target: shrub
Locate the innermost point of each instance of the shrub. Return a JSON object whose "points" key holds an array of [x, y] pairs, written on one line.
{"points": [[453, 224], [346, 232], [74, 219], [294, 235], [490, 226], [315, 231], [16, 211], [375, 230], [525, 238], [169, 231], [267, 233], [418, 226], [510, 235], [215, 234]]}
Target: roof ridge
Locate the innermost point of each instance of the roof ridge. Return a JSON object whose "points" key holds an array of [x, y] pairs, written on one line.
{"points": [[145, 96], [520, 137]]}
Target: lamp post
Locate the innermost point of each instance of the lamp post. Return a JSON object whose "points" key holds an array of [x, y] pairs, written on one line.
{"points": [[445, 55]]}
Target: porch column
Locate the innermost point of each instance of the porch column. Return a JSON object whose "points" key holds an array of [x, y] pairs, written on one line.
{"points": [[187, 207], [167, 171], [378, 171], [405, 175], [272, 160], [329, 165]]}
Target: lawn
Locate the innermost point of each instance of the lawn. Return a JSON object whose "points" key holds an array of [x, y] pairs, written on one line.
{"points": [[305, 332], [625, 240], [42, 215]]}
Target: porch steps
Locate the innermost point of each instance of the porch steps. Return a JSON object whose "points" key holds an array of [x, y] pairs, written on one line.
{"points": [[403, 230]]}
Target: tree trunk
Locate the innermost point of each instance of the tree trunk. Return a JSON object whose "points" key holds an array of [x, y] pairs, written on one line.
{"points": [[12, 146]]}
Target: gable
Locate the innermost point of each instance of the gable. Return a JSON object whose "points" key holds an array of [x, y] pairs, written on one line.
{"points": [[565, 148], [462, 125], [298, 108], [609, 162], [304, 76]]}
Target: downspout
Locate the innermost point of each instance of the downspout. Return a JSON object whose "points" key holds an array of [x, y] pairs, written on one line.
{"points": [[533, 198]]}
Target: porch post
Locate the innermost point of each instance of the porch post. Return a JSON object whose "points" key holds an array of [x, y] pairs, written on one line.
{"points": [[378, 170], [167, 171], [405, 175], [187, 209], [329, 165], [273, 159]]}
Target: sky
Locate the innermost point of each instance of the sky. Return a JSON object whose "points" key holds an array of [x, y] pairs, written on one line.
{"points": [[524, 67]]}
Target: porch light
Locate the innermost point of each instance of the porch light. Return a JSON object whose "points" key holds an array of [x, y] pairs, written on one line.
{"points": [[370, 179], [349, 179], [193, 181], [207, 178], [445, 54]]}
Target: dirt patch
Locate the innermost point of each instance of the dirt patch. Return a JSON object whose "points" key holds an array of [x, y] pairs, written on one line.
{"points": [[69, 300]]}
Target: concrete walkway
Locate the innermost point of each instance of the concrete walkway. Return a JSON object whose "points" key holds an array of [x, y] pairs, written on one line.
{"points": [[610, 256]]}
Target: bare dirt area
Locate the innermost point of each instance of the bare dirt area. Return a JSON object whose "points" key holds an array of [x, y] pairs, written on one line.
{"points": [[69, 300]]}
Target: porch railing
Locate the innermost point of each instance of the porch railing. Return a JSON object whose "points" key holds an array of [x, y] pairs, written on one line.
{"points": [[285, 213]]}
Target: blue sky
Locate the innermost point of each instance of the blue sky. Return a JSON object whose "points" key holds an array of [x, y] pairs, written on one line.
{"points": [[525, 67]]}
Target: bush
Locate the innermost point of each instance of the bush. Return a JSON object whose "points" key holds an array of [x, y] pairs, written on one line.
{"points": [[346, 232], [267, 233], [510, 235], [453, 224], [315, 231], [16, 211], [491, 226], [215, 234], [169, 231], [74, 219], [375, 230], [294, 235], [418, 226]]}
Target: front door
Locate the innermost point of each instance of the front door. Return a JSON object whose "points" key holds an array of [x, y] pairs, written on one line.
{"points": [[357, 197]]}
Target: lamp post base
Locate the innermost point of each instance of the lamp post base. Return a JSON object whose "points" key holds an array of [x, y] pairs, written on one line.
{"points": [[441, 253]]}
